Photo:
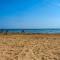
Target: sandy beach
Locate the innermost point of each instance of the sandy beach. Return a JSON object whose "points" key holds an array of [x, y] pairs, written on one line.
{"points": [[30, 47]]}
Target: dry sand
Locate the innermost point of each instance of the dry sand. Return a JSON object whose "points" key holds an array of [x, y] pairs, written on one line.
{"points": [[30, 47]]}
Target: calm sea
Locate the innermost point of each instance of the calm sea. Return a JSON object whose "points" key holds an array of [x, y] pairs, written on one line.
{"points": [[42, 31]]}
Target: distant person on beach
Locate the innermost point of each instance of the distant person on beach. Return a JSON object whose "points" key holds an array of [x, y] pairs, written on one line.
{"points": [[22, 31], [6, 32]]}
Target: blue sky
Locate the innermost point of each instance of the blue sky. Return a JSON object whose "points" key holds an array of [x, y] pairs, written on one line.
{"points": [[29, 13]]}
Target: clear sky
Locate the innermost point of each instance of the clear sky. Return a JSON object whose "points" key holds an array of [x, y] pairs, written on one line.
{"points": [[29, 13]]}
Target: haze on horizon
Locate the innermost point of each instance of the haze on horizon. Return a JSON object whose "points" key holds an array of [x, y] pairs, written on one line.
{"points": [[29, 14]]}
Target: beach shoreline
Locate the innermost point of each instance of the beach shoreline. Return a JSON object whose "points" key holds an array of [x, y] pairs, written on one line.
{"points": [[31, 35]]}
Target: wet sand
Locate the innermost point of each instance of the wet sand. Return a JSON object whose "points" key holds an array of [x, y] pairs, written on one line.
{"points": [[30, 47]]}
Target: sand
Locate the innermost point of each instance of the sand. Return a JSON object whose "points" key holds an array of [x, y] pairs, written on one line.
{"points": [[30, 47]]}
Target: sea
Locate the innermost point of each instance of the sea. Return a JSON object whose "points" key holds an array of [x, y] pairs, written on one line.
{"points": [[40, 31]]}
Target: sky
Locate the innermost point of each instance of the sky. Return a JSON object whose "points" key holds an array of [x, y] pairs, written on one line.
{"points": [[28, 14]]}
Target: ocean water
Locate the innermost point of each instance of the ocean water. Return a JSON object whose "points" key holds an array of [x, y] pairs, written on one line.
{"points": [[42, 31]]}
